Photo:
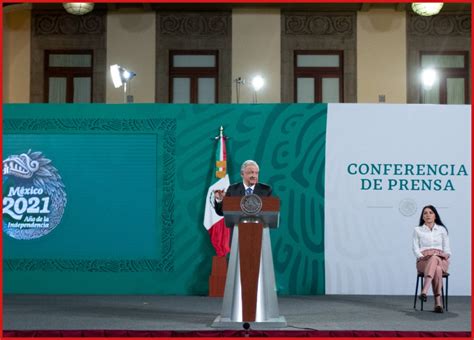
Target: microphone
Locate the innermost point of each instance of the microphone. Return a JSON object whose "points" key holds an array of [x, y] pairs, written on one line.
{"points": [[246, 326]]}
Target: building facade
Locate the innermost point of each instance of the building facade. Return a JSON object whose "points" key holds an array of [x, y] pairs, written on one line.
{"points": [[352, 53]]}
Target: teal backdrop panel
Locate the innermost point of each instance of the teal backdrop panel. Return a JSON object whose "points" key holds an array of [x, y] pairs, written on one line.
{"points": [[106, 199], [136, 177]]}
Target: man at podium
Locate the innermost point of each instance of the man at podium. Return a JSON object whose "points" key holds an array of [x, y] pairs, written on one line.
{"points": [[263, 311], [249, 185]]}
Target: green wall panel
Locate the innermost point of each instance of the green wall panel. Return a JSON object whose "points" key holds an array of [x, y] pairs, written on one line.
{"points": [[136, 178]]}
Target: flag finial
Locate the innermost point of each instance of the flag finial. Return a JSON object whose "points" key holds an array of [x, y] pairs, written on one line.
{"points": [[221, 134]]}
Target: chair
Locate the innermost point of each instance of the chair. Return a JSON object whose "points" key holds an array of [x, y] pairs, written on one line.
{"points": [[444, 296]]}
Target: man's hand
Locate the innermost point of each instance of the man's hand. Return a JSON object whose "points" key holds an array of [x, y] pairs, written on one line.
{"points": [[219, 195]]}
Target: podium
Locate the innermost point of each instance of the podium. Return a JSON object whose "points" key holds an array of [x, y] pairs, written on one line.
{"points": [[250, 292]]}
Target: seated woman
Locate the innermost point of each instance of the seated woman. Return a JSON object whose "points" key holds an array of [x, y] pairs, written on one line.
{"points": [[432, 251]]}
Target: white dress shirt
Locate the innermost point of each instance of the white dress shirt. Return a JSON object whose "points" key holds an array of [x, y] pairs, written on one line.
{"points": [[436, 238], [252, 187]]}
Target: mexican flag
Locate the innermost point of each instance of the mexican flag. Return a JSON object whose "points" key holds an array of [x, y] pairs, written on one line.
{"points": [[219, 233]]}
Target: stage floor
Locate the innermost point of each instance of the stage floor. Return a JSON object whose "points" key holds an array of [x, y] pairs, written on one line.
{"points": [[126, 312]]}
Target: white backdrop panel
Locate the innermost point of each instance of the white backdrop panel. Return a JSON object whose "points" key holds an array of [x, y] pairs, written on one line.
{"points": [[368, 233]]}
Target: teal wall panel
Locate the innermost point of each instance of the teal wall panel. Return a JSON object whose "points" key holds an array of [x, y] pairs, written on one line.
{"points": [[112, 207], [136, 177]]}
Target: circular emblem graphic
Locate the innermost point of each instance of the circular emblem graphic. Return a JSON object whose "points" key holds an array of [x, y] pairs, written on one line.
{"points": [[33, 196], [251, 204], [407, 207]]}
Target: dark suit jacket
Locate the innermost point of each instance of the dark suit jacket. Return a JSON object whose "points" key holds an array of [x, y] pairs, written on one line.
{"points": [[238, 189]]}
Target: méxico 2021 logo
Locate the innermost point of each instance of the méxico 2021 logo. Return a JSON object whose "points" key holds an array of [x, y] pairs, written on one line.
{"points": [[33, 196]]}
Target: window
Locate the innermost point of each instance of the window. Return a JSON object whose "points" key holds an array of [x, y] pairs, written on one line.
{"points": [[68, 76], [193, 77], [319, 76], [450, 81]]}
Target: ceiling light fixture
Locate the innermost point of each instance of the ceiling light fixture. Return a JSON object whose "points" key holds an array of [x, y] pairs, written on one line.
{"points": [[426, 8], [78, 8]]}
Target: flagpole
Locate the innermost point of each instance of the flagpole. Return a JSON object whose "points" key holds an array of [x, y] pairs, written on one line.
{"points": [[219, 233]]}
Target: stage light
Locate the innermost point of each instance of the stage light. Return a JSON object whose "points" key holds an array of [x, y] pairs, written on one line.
{"points": [[426, 8], [115, 73], [78, 8], [126, 75], [257, 83], [428, 78], [121, 76]]}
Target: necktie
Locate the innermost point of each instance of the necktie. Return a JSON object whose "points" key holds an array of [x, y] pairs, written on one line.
{"points": [[249, 191]]}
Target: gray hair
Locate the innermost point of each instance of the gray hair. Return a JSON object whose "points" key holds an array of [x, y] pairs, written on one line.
{"points": [[247, 163]]}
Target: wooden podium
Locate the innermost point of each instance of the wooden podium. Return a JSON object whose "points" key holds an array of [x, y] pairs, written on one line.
{"points": [[250, 294]]}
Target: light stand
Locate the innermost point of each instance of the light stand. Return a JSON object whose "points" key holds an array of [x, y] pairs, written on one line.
{"points": [[121, 77], [128, 98], [256, 84], [238, 82], [125, 92]]}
